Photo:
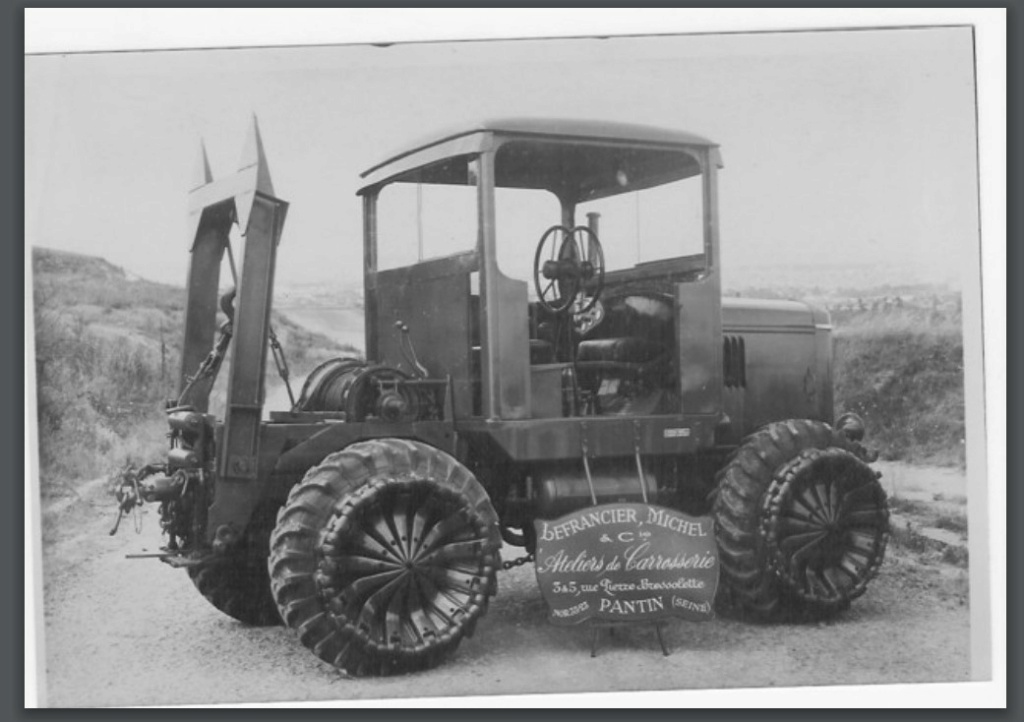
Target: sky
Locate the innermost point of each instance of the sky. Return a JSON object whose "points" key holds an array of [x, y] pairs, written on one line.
{"points": [[840, 148]]}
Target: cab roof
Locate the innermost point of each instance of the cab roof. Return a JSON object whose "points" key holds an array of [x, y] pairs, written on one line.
{"points": [[470, 138]]}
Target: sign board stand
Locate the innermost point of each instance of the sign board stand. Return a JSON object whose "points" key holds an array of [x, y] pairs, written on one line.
{"points": [[626, 564], [595, 628]]}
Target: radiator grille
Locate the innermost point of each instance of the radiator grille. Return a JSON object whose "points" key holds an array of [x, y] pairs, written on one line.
{"points": [[734, 358]]}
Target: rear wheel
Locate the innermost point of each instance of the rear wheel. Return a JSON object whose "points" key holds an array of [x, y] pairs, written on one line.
{"points": [[801, 522], [237, 583], [384, 557]]}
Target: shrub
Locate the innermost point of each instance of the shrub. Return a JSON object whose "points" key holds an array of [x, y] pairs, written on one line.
{"points": [[97, 400], [902, 371]]}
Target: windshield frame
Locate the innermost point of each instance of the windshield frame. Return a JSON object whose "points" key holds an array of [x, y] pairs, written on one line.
{"points": [[485, 146], [707, 159]]}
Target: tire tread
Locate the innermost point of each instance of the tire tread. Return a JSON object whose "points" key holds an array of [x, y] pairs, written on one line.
{"points": [[311, 506], [751, 588]]}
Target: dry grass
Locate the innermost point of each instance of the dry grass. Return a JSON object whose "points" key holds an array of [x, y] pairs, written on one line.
{"points": [[901, 369], [905, 536], [911, 516], [952, 522]]}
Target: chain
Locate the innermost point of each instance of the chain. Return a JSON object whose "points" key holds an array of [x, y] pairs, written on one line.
{"points": [[517, 562], [210, 365]]}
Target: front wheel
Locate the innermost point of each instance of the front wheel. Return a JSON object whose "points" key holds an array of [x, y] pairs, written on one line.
{"points": [[385, 557], [802, 522]]}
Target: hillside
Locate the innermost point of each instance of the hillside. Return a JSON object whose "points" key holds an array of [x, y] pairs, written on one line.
{"points": [[902, 369], [107, 357], [834, 278]]}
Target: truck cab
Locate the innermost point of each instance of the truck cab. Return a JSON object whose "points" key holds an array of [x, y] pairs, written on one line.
{"points": [[563, 270]]}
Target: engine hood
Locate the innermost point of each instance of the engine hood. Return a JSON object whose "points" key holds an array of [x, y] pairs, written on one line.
{"points": [[740, 314]]}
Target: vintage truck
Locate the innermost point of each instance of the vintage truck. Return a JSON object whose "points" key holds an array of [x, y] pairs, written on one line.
{"points": [[545, 330]]}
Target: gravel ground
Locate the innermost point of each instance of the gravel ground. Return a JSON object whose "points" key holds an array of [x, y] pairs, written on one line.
{"points": [[135, 632]]}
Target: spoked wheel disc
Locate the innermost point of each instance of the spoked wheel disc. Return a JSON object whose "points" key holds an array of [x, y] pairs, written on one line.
{"points": [[406, 566], [826, 526]]}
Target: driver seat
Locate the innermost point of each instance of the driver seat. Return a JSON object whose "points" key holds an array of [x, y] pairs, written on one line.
{"points": [[631, 358]]}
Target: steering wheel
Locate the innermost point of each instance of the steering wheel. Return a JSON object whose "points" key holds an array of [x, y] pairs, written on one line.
{"points": [[567, 260]]}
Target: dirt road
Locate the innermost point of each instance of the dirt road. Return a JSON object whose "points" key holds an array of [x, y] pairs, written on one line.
{"points": [[135, 632]]}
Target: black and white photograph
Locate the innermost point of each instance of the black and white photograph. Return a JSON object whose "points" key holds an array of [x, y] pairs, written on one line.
{"points": [[505, 370]]}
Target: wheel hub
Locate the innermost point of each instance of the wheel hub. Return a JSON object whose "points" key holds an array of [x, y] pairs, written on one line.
{"points": [[402, 563], [825, 525]]}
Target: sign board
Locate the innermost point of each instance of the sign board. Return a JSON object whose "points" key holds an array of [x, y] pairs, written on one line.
{"points": [[627, 563]]}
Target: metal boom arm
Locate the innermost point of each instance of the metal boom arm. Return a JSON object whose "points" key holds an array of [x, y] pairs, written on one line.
{"points": [[248, 198]]}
